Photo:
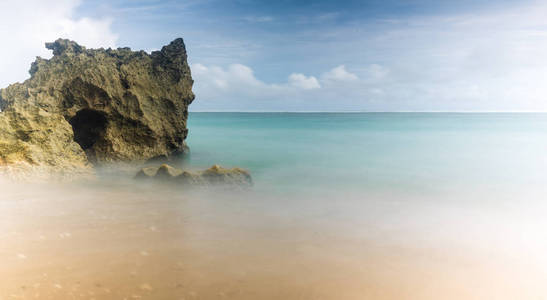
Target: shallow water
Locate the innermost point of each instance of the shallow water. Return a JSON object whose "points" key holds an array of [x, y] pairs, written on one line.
{"points": [[345, 206]]}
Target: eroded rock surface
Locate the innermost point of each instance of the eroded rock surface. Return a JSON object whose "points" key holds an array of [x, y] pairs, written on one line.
{"points": [[86, 107], [215, 175]]}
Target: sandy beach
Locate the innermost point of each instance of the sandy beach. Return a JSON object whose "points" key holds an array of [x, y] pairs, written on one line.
{"points": [[121, 241]]}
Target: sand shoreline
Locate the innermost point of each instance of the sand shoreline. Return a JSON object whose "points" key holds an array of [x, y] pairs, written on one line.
{"points": [[111, 242]]}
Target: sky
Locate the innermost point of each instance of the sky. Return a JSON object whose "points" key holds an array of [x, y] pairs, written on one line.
{"points": [[345, 55]]}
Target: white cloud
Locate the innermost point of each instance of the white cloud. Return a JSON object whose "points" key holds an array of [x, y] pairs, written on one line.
{"points": [[236, 88], [339, 74], [235, 76], [26, 25], [213, 80], [302, 81]]}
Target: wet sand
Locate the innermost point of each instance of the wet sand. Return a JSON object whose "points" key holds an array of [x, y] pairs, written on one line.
{"points": [[121, 241]]}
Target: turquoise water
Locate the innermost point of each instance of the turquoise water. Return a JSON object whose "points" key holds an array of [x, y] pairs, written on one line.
{"points": [[406, 152]]}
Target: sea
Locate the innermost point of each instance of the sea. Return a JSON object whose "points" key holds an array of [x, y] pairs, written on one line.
{"points": [[407, 153], [343, 206]]}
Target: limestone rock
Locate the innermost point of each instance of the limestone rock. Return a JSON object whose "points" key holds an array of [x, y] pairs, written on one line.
{"points": [[87, 107], [166, 171], [215, 175]]}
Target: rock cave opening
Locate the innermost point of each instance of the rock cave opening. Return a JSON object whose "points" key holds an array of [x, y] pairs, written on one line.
{"points": [[89, 126]]}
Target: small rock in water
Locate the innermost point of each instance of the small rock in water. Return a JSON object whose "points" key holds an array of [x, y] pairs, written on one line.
{"points": [[215, 175]]}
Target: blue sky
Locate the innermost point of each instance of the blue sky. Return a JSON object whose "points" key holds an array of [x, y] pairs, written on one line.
{"points": [[274, 37], [248, 55]]}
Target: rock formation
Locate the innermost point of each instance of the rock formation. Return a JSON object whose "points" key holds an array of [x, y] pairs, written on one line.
{"points": [[87, 107], [215, 175]]}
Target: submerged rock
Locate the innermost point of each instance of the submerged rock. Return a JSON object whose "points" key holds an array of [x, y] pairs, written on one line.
{"points": [[86, 107], [215, 175]]}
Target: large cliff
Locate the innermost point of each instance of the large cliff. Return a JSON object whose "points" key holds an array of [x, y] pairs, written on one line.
{"points": [[87, 107]]}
